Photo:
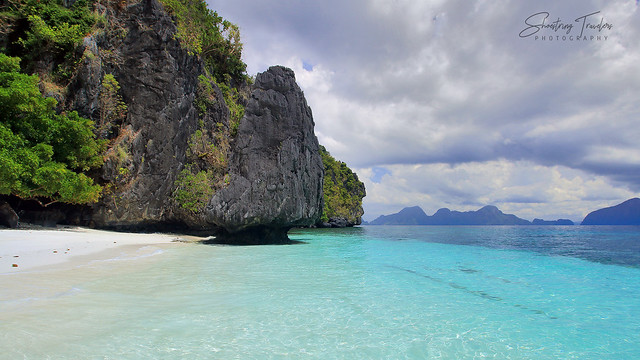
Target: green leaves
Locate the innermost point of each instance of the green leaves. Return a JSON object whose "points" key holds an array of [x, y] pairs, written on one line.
{"points": [[194, 189], [343, 191], [44, 33], [207, 34], [41, 152], [112, 107], [61, 38]]}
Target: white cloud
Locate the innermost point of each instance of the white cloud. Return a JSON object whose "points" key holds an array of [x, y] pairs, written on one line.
{"points": [[522, 188]]}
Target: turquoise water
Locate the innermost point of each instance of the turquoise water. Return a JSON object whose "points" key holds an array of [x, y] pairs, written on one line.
{"points": [[375, 292]]}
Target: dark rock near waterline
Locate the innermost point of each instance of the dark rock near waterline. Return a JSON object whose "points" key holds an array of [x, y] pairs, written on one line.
{"points": [[338, 222], [8, 217], [32, 213], [260, 235], [626, 213]]}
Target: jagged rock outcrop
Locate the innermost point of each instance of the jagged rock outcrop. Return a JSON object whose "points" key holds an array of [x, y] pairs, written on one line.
{"points": [[275, 165], [626, 213]]}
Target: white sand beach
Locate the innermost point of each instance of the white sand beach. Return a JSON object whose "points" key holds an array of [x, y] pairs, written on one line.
{"points": [[43, 263], [23, 250]]}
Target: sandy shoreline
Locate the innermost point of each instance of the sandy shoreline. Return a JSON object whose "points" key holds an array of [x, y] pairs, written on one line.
{"points": [[23, 250]]}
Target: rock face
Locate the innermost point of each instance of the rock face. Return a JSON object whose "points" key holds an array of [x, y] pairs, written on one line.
{"points": [[158, 81], [626, 213], [275, 165], [8, 217]]}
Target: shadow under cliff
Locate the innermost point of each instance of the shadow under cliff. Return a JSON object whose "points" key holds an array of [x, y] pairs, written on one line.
{"points": [[260, 235]]}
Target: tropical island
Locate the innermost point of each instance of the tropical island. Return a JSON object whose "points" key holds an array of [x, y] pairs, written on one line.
{"points": [[141, 116]]}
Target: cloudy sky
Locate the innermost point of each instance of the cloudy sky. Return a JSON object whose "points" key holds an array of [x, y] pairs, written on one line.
{"points": [[462, 103]]}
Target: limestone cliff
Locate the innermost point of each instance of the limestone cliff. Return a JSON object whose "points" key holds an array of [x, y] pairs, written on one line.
{"points": [[177, 157], [158, 82]]}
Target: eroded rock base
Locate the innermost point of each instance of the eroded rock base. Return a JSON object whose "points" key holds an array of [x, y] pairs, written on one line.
{"points": [[260, 235]]}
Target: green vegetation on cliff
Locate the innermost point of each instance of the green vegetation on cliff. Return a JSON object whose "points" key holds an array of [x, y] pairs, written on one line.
{"points": [[48, 158], [193, 190], [44, 34], [343, 191], [43, 154], [216, 40]]}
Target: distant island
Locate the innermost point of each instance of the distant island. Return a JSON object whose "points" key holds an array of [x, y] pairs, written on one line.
{"points": [[553, 222], [488, 215], [626, 213]]}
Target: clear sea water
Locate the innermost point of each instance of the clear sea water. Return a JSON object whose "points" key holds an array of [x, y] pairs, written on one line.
{"points": [[375, 292]]}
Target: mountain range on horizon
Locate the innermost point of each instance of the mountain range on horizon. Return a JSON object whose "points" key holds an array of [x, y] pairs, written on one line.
{"points": [[626, 213]]}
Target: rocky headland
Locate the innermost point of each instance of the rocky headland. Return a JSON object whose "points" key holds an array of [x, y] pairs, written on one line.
{"points": [[185, 148]]}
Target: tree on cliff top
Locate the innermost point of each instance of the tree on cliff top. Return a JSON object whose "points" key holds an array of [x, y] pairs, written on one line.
{"points": [[42, 153]]}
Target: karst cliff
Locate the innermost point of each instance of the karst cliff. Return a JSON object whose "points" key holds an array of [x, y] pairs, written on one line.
{"points": [[185, 146]]}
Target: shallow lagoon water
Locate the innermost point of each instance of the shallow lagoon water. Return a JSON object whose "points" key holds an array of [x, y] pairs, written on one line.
{"points": [[363, 293]]}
